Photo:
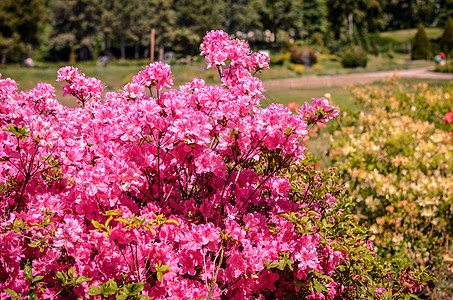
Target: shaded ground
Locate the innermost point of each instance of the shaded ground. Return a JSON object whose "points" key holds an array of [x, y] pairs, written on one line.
{"points": [[342, 80]]}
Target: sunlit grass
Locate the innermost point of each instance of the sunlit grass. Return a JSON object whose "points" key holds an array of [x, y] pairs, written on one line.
{"points": [[406, 35], [118, 73]]}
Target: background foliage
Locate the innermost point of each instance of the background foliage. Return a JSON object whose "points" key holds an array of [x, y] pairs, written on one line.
{"points": [[396, 157], [85, 29]]}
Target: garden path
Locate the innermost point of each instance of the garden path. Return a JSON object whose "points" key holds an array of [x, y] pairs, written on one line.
{"points": [[356, 78]]}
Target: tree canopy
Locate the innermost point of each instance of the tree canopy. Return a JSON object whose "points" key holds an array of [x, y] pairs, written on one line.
{"points": [[20, 25], [84, 29]]}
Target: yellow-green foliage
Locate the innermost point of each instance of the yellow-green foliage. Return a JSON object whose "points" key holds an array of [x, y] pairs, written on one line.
{"points": [[396, 156]]}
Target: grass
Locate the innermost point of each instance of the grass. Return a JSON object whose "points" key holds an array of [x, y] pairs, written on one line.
{"points": [[340, 96], [397, 61], [118, 73], [406, 35]]}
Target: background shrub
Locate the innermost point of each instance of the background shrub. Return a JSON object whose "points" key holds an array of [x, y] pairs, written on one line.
{"points": [[446, 41], [421, 46], [354, 57], [396, 155], [303, 55]]}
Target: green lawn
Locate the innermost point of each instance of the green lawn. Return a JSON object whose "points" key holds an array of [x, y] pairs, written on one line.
{"points": [[118, 73], [406, 35], [340, 96]]}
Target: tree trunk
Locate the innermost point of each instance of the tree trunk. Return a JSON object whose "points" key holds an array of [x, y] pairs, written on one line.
{"points": [[122, 47], [72, 54], [137, 49], [107, 45], [90, 51]]}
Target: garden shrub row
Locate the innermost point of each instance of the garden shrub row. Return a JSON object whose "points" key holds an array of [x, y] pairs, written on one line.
{"points": [[396, 155]]}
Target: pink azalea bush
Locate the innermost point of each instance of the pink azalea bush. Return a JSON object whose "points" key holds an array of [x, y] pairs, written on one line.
{"points": [[189, 193]]}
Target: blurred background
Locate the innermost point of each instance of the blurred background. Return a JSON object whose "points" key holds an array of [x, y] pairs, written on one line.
{"points": [[114, 39], [80, 30]]}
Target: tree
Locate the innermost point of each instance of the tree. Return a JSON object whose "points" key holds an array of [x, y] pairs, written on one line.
{"points": [[75, 26], [351, 20], [241, 17], [421, 47], [446, 41], [193, 19], [444, 11], [162, 17], [314, 18], [281, 20], [407, 14], [20, 26]]}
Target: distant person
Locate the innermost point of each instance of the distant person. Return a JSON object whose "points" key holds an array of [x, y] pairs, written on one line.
{"points": [[29, 62]]}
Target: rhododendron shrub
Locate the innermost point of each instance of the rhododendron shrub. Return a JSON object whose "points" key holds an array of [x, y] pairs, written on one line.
{"points": [[188, 193], [399, 169]]}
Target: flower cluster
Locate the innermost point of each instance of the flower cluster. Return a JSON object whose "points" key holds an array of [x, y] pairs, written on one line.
{"points": [[195, 193], [82, 88], [319, 111]]}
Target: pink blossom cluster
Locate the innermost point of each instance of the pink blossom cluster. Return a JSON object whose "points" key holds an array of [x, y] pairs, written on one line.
{"points": [[320, 110], [82, 88], [156, 74], [238, 74], [182, 194]]}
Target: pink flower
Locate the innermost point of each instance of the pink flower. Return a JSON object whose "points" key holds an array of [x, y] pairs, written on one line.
{"points": [[68, 234], [293, 105], [67, 73], [449, 117], [157, 74]]}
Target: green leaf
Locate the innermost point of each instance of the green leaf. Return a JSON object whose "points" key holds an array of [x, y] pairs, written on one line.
{"points": [[110, 290], [112, 283], [273, 264], [108, 221], [173, 222], [62, 276], [122, 297], [319, 288], [137, 288], [164, 268], [122, 220], [28, 273], [93, 291], [149, 228], [71, 272], [17, 131], [282, 265], [144, 297], [159, 276], [325, 277], [11, 292], [112, 213], [82, 279], [97, 225], [34, 244], [32, 295], [37, 278]]}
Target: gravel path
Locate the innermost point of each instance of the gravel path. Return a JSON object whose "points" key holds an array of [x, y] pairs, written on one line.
{"points": [[341, 80]]}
